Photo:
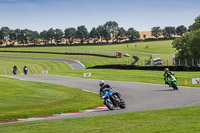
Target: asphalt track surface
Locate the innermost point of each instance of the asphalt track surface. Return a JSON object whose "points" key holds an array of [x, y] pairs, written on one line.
{"points": [[74, 64], [138, 96]]}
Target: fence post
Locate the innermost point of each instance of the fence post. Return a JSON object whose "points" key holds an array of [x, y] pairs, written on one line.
{"points": [[179, 62], [192, 62], [185, 62]]}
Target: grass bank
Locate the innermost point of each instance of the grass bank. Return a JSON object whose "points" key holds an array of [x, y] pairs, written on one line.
{"points": [[154, 47], [162, 49], [34, 66], [182, 120], [88, 61], [24, 99]]}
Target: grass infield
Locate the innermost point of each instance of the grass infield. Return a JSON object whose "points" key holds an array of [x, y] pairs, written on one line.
{"points": [[24, 99]]}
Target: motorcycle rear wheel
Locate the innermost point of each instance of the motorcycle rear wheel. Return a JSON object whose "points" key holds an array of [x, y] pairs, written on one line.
{"points": [[122, 104]]}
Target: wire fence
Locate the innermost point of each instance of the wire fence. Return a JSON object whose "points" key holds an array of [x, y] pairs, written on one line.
{"points": [[163, 62]]}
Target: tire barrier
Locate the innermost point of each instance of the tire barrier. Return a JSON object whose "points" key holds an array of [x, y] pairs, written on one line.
{"points": [[136, 60], [62, 53], [134, 67]]}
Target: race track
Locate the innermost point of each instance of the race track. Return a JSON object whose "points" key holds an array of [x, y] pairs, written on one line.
{"points": [[138, 96]]}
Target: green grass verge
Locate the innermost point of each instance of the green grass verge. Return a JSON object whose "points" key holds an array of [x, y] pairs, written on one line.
{"points": [[23, 99], [177, 120], [88, 61], [143, 76], [34, 66], [155, 47]]}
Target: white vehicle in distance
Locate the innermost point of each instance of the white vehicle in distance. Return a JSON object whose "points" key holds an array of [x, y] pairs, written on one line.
{"points": [[157, 61], [126, 55]]}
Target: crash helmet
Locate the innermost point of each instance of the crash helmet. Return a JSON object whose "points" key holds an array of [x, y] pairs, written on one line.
{"points": [[101, 83], [166, 70]]}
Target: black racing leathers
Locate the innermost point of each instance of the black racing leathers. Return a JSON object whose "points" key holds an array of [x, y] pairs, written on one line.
{"points": [[104, 88]]}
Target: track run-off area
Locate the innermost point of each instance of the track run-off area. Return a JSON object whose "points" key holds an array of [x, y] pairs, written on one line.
{"points": [[138, 96]]}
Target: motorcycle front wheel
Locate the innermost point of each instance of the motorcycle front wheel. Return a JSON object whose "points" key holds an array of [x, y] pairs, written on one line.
{"points": [[174, 86], [109, 105]]}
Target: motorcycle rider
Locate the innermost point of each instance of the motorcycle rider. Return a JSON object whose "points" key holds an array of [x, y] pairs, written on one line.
{"points": [[15, 70], [104, 87], [25, 70], [167, 74]]}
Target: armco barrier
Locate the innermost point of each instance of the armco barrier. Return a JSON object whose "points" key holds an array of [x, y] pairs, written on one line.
{"points": [[134, 67]]}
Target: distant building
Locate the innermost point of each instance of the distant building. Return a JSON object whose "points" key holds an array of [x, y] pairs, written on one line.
{"points": [[145, 35]]}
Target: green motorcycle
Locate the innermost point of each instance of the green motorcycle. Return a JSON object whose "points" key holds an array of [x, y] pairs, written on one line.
{"points": [[172, 82]]}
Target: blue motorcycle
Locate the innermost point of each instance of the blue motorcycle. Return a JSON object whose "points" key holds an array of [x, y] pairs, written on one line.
{"points": [[113, 100]]}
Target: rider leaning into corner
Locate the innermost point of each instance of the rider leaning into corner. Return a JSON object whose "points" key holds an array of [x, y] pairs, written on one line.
{"points": [[104, 87], [167, 74]]}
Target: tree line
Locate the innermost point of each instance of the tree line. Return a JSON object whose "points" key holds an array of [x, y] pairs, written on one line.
{"points": [[109, 32], [169, 31]]}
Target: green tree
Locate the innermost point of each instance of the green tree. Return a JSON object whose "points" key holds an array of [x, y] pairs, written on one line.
{"points": [[34, 37], [132, 34], [13, 36], [1, 37], [70, 34], [169, 31], [195, 25], [51, 35], [94, 34], [58, 35], [17, 32], [44, 36], [106, 34], [121, 34], [180, 30], [113, 28], [23, 36], [82, 33], [100, 30], [156, 31], [188, 46], [5, 34]]}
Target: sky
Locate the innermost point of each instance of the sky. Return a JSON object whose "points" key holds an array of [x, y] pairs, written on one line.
{"points": [[142, 15]]}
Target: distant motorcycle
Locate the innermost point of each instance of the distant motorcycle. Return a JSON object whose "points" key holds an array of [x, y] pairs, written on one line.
{"points": [[113, 100], [14, 72], [172, 82]]}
